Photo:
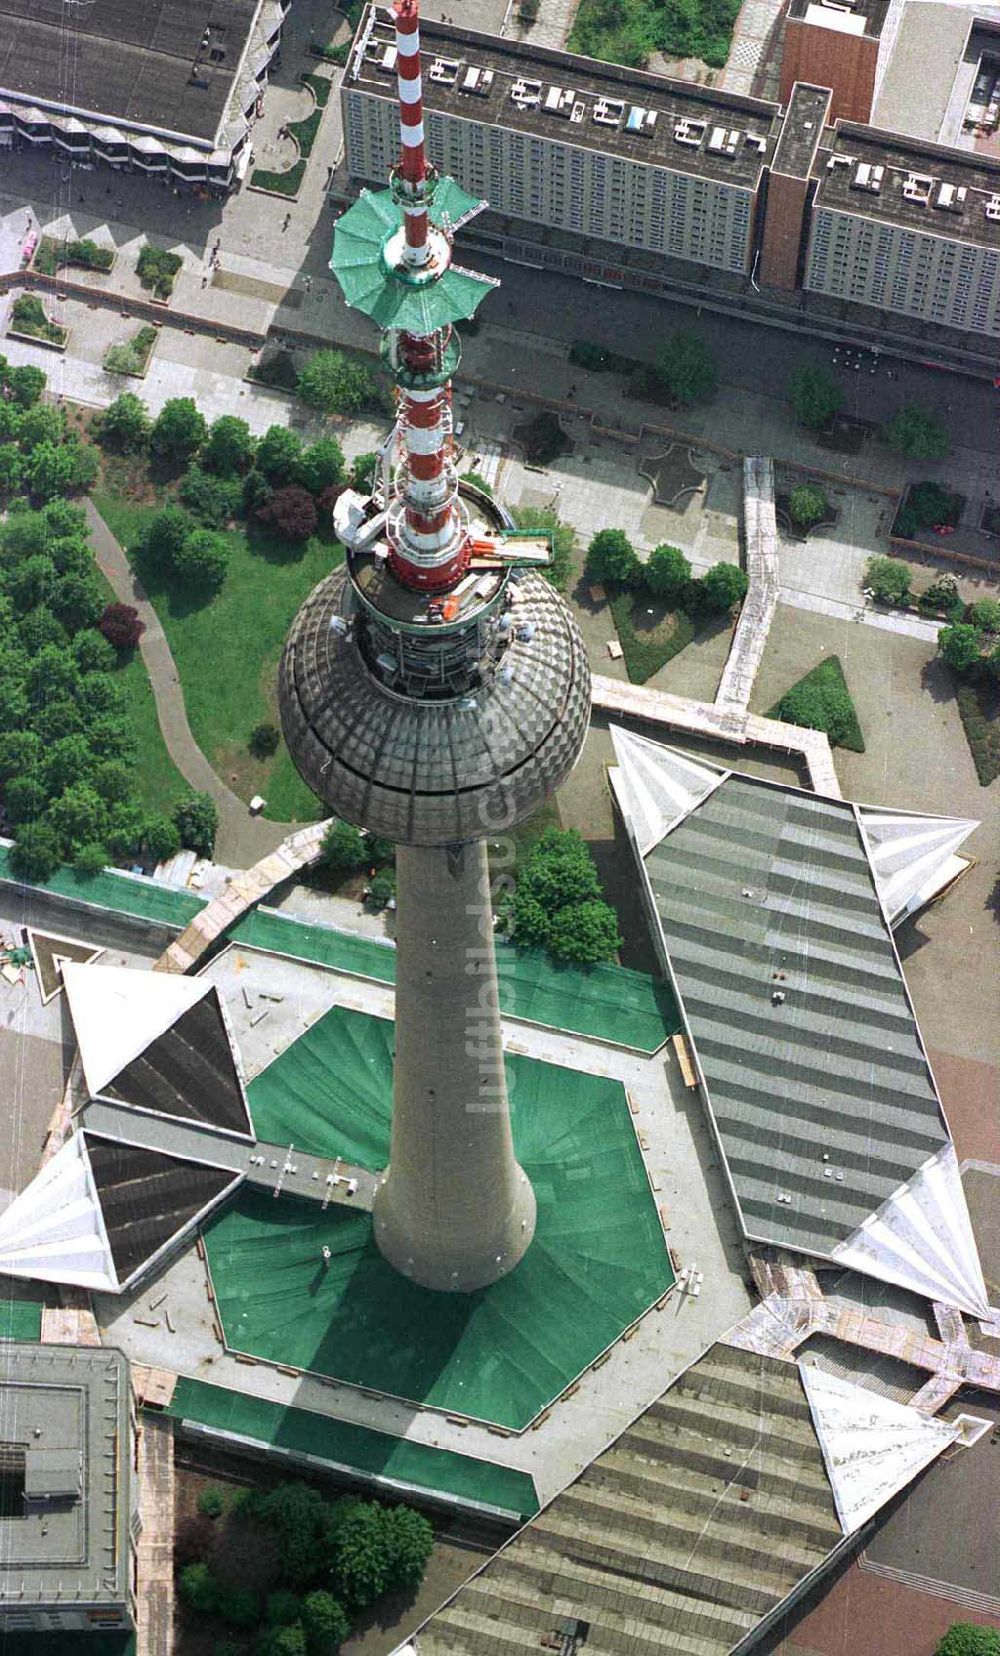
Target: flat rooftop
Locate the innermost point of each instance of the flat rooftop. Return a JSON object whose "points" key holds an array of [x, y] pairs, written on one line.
{"points": [[844, 16], [802, 130], [925, 187], [64, 1415], [914, 88], [574, 100], [139, 64]]}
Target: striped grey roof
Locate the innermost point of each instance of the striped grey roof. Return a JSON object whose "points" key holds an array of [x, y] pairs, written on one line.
{"points": [[761, 880]]}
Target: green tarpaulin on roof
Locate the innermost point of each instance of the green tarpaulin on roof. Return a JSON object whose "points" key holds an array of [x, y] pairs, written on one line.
{"points": [[124, 893], [341, 1444], [20, 1319]]}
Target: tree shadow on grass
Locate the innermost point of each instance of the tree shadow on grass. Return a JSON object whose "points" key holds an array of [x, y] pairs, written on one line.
{"points": [[938, 680], [265, 542]]}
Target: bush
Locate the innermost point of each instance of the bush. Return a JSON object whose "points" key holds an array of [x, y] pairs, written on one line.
{"points": [[343, 847], [157, 270], [563, 540], [282, 1641], [28, 317], [211, 1502], [198, 1589], [178, 430], [321, 466], [807, 505], [927, 503], [966, 1639], [814, 395], [338, 384], [888, 580], [720, 589], [201, 561], [629, 31], [283, 1608], [942, 594], [961, 646], [611, 557], [685, 367], [160, 839], [362, 474], [477, 481], [121, 626], [197, 821], [291, 511], [214, 501], [132, 357], [411, 1542], [822, 701], [918, 433], [382, 890], [325, 1623], [52, 254], [126, 424], [985, 613], [264, 739], [667, 573]]}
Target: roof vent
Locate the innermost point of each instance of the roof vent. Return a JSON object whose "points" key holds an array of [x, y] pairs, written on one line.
{"points": [[526, 93], [993, 208], [477, 81], [386, 64], [755, 140], [690, 132], [559, 100], [444, 71], [642, 121], [608, 112], [867, 177], [724, 142], [917, 187], [951, 199], [840, 161], [578, 111]]}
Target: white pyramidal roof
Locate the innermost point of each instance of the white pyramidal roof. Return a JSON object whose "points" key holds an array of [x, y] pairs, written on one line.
{"points": [[872, 1446], [54, 1231], [118, 1010], [913, 857], [657, 786], [921, 1238]]}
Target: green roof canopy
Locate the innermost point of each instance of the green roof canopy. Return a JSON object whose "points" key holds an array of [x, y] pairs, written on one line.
{"points": [[390, 298]]}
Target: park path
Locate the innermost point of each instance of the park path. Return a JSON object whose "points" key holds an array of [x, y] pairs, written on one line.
{"points": [[241, 839]]}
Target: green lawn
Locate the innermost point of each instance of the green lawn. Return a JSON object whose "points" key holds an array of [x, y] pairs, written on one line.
{"points": [[836, 716], [648, 642], [159, 784], [227, 651]]}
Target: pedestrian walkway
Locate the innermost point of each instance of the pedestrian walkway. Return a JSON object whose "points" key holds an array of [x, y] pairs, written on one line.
{"points": [[155, 1607], [241, 838], [760, 531]]}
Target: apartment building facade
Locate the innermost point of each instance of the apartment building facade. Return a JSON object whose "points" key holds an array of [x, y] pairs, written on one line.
{"points": [[631, 178]]}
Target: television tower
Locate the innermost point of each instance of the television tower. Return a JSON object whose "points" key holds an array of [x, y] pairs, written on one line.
{"points": [[434, 692]]}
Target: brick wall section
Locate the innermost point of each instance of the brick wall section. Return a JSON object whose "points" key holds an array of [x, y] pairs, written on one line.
{"points": [[825, 57], [779, 248]]}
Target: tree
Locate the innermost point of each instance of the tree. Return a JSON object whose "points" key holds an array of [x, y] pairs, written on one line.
{"points": [[559, 873], [942, 594], [256, 491], [337, 384], [807, 505], [178, 430], [343, 847], [39, 628], [611, 557], [11, 468], [918, 433], [160, 839], [278, 454], [282, 1641], [382, 889], [297, 1516], [111, 779], [35, 853], [264, 739], [78, 816], [326, 1625], [66, 762], [25, 384], [20, 751], [292, 512], [239, 1606], [197, 821], [361, 1554], [961, 646], [686, 367], [26, 796], [92, 652], [283, 1608], [77, 600], [562, 537], [201, 561], [411, 1542], [121, 626], [125, 425], [198, 1589], [49, 470], [721, 588], [814, 394], [888, 580], [45, 423], [229, 446], [985, 613], [321, 466], [363, 470], [91, 858], [584, 933], [667, 573], [164, 537], [966, 1639]]}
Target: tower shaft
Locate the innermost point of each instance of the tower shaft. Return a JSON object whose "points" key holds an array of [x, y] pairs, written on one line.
{"points": [[453, 1209]]}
